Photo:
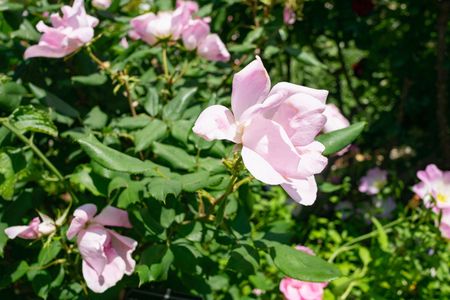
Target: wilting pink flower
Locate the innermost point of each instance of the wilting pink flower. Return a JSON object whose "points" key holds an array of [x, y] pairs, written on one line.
{"points": [[67, 34], [34, 230], [276, 128], [194, 33], [293, 289], [289, 16], [164, 25], [106, 254], [373, 182], [101, 4], [212, 48], [434, 190]]}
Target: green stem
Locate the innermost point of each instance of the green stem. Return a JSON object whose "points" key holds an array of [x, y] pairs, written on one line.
{"points": [[164, 62], [30, 144], [363, 237]]}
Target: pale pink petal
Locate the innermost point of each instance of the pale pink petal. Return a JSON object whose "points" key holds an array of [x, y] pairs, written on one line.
{"points": [[303, 191], [101, 4], [44, 51], [250, 86], [124, 246], [335, 119], [29, 232], [294, 89], [260, 168], [269, 140], [192, 6], [112, 273], [81, 215], [212, 48], [311, 159], [91, 243], [194, 33], [289, 16], [216, 123], [112, 216]]}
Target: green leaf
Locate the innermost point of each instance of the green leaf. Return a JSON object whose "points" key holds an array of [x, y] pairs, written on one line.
{"points": [[130, 195], [28, 118], [3, 237], [337, 140], [26, 31], [21, 270], [158, 259], [7, 177], [174, 109], [180, 130], [382, 235], [113, 159], [174, 156], [299, 265], [154, 131], [195, 181], [151, 102], [130, 123], [82, 178], [244, 259], [49, 252], [185, 257], [54, 102], [92, 79], [11, 94], [160, 188], [96, 119], [327, 187]]}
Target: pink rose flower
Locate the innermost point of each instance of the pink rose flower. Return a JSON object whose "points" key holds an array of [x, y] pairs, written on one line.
{"points": [[106, 254], [152, 28], [289, 16], [293, 289], [101, 4], [194, 33], [212, 48], [34, 230], [373, 182], [276, 128], [67, 34], [434, 190]]}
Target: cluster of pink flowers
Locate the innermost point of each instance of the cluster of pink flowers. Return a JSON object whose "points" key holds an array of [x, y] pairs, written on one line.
{"points": [[68, 33], [106, 254], [373, 182], [434, 190], [180, 24], [294, 289], [276, 128]]}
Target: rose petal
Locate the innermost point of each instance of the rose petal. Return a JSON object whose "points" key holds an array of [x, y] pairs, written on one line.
{"points": [[216, 123], [294, 89], [124, 246], [81, 215], [112, 216], [303, 191], [91, 243]]}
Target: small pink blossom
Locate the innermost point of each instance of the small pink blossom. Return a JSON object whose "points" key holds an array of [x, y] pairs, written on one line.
{"points": [[373, 182], [124, 43], [164, 25], [434, 190], [34, 230], [106, 254], [276, 128], [289, 15], [101, 4], [294, 289], [67, 34]]}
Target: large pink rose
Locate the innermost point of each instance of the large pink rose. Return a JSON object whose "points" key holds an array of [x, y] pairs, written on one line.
{"points": [[106, 254], [34, 230], [67, 34], [294, 289], [276, 128]]}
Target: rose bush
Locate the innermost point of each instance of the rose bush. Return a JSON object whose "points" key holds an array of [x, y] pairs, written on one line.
{"points": [[182, 148]]}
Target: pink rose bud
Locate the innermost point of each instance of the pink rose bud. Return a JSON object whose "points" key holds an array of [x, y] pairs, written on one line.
{"points": [[373, 182], [106, 254], [212, 48], [276, 128], [294, 289], [67, 34], [101, 4], [289, 16], [34, 230]]}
